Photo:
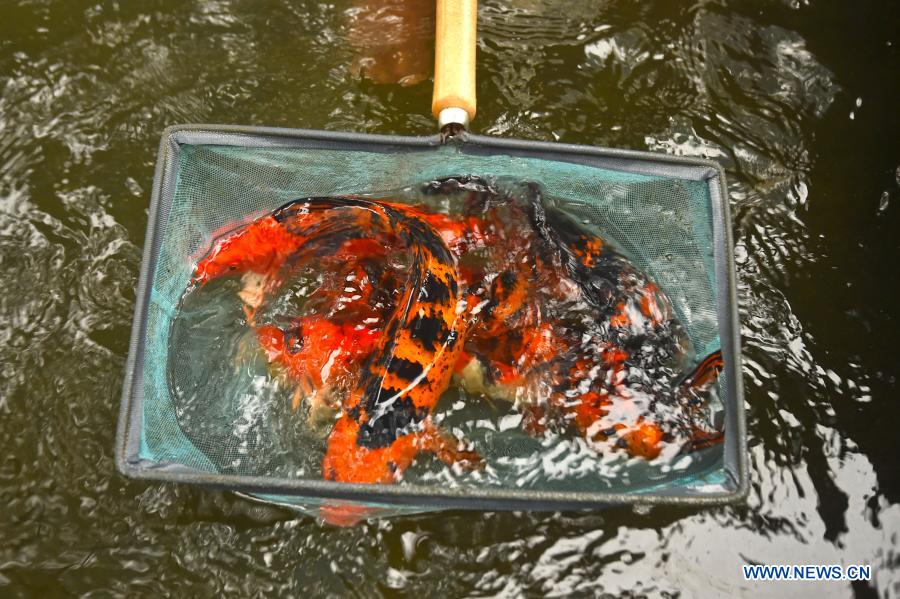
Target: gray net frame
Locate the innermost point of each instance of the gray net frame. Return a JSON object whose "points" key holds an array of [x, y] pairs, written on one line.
{"points": [[670, 215]]}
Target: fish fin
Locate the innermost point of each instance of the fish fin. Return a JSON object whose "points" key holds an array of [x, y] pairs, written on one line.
{"points": [[644, 439], [535, 420], [344, 515], [703, 439], [250, 314], [305, 391], [448, 449], [692, 386], [706, 373]]}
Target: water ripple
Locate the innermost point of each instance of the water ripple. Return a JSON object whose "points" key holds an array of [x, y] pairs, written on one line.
{"points": [[792, 97]]}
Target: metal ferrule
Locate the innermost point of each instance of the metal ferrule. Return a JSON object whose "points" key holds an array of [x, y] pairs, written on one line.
{"points": [[453, 116]]}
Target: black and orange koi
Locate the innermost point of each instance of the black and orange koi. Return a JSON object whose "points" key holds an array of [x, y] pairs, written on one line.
{"points": [[385, 419]]}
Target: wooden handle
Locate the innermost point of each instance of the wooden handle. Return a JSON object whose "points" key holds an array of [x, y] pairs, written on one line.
{"points": [[454, 56]]}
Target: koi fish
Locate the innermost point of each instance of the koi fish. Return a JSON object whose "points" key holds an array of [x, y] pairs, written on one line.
{"points": [[403, 370], [387, 420], [601, 361], [320, 354]]}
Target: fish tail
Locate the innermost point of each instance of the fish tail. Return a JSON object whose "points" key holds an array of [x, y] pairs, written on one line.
{"points": [[695, 384], [347, 460], [706, 373], [701, 439]]}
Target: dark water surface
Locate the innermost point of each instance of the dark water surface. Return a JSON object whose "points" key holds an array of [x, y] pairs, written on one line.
{"points": [[798, 99]]}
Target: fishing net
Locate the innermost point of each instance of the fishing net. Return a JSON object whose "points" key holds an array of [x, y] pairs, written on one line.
{"points": [[666, 215]]}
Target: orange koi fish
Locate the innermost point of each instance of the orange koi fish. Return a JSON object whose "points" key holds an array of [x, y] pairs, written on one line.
{"points": [[403, 369], [321, 354], [387, 419]]}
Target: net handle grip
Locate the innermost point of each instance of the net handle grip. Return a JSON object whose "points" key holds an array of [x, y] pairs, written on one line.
{"points": [[453, 102]]}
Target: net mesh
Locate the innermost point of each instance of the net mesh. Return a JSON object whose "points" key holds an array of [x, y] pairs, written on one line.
{"points": [[663, 224]]}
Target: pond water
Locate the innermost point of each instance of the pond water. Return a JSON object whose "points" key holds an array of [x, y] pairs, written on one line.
{"points": [[797, 99]]}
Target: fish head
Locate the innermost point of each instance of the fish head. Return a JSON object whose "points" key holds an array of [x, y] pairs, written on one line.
{"points": [[261, 246]]}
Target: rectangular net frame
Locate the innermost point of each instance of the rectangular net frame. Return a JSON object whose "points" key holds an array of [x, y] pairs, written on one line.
{"points": [[670, 215]]}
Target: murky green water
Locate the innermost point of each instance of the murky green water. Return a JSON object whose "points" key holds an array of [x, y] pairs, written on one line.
{"points": [[798, 99]]}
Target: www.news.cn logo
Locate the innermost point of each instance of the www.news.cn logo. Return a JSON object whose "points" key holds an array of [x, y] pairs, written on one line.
{"points": [[807, 572]]}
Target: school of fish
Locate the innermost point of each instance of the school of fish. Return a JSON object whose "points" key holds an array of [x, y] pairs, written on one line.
{"points": [[508, 296]]}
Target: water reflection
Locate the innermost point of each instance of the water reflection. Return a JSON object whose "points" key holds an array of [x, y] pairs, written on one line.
{"points": [[392, 40]]}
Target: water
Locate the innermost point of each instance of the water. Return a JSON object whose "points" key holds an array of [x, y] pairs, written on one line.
{"points": [[578, 351], [797, 99]]}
